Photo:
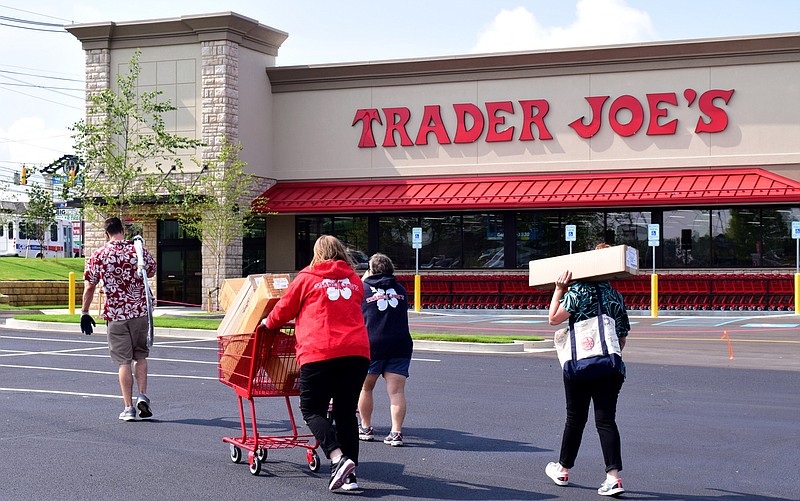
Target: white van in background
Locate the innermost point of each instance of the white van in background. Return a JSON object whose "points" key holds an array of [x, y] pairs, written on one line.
{"points": [[15, 240]]}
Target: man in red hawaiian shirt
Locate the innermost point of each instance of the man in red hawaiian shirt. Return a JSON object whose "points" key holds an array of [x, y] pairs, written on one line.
{"points": [[125, 310]]}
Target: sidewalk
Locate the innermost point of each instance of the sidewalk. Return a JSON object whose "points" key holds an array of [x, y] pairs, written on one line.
{"points": [[202, 334]]}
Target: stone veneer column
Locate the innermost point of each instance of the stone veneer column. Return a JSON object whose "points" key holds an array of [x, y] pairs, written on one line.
{"points": [[98, 79], [220, 121]]}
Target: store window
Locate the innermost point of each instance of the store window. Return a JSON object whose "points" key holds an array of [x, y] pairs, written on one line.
{"points": [[778, 248], [483, 241], [686, 238], [630, 228], [444, 249], [589, 227], [394, 239], [539, 235], [254, 247], [736, 237], [351, 230]]}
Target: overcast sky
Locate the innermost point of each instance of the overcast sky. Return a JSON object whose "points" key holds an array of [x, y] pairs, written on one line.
{"points": [[41, 66]]}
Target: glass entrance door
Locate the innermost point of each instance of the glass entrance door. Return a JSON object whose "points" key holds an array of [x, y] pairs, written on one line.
{"points": [[180, 267]]}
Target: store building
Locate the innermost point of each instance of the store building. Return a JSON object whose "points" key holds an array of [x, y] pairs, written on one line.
{"points": [[493, 155]]}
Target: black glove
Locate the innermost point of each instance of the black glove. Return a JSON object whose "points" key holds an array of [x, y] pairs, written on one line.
{"points": [[87, 324]]}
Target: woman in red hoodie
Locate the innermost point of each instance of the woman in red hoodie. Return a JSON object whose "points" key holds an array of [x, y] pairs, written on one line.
{"points": [[332, 351]]}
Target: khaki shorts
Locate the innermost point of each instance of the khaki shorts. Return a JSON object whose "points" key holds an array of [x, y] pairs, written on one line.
{"points": [[127, 340]]}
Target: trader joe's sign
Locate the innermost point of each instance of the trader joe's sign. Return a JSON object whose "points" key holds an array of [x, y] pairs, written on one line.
{"points": [[503, 121]]}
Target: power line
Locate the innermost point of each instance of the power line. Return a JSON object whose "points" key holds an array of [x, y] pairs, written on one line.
{"points": [[41, 86], [34, 85], [48, 100], [9, 140], [62, 30], [35, 13], [38, 69], [42, 76], [26, 21]]}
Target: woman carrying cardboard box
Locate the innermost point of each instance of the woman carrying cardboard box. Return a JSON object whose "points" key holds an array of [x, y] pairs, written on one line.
{"points": [[582, 300]]}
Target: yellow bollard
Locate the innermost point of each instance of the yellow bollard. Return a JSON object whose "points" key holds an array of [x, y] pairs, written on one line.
{"points": [[71, 292], [797, 293], [417, 292], [654, 295]]}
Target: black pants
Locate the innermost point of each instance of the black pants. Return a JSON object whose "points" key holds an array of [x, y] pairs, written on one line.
{"points": [[603, 394], [339, 379]]}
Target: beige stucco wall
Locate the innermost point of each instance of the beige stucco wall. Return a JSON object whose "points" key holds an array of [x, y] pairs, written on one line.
{"points": [[280, 244], [255, 111], [175, 71], [314, 139]]}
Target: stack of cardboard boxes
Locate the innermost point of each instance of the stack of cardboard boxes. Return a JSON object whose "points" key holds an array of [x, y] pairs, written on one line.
{"points": [[246, 302]]}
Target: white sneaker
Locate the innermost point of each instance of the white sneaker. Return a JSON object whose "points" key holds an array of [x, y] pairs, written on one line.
{"points": [[350, 483], [129, 414], [553, 470], [611, 487]]}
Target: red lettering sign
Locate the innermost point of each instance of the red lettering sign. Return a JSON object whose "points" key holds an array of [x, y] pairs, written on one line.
{"points": [[464, 134], [626, 117]]}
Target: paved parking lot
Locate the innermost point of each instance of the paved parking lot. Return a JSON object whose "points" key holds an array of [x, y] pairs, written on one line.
{"points": [[480, 427]]}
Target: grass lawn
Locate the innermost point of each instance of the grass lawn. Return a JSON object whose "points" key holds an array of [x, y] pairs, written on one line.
{"points": [[169, 322], [53, 268], [212, 324]]}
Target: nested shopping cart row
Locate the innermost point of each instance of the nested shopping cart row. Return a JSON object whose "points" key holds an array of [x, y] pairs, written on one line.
{"points": [[733, 291]]}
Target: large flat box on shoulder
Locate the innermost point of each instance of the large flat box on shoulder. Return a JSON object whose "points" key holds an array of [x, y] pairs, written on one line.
{"points": [[618, 261]]}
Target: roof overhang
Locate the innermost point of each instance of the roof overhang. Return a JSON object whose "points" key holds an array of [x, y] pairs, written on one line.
{"points": [[597, 189]]}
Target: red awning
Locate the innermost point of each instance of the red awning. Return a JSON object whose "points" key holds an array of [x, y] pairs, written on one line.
{"points": [[606, 189]]}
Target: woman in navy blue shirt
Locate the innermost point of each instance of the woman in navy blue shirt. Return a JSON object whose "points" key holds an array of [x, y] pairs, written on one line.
{"points": [[385, 309]]}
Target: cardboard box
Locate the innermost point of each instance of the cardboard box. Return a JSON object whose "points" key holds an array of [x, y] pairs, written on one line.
{"points": [[603, 264], [234, 360], [283, 371], [230, 322], [228, 291], [266, 291]]}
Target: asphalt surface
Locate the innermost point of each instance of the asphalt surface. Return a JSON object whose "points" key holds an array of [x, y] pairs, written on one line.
{"points": [[695, 423]]}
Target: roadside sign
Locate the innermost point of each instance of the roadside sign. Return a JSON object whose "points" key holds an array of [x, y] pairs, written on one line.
{"points": [[796, 229], [653, 235], [570, 233], [416, 238]]}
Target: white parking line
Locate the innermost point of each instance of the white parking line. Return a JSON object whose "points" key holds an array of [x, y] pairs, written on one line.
{"points": [[56, 392], [55, 352], [39, 338], [115, 373]]}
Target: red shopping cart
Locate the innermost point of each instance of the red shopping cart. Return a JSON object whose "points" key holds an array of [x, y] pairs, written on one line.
{"points": [[263, 364]]}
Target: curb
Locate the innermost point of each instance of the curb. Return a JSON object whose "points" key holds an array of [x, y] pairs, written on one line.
{"points": [[101, 329], [202, 334]]}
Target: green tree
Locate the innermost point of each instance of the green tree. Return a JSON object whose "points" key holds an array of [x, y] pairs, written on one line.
{"points": [[126, 148], [39, 214], [216, 208]]}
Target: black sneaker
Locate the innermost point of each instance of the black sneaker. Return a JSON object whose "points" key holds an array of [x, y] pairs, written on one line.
{"points": [[350, 483], [339, 472]]}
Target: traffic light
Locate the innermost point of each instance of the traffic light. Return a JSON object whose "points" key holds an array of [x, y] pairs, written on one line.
{"points": [[23, 176]]}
